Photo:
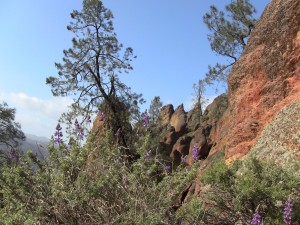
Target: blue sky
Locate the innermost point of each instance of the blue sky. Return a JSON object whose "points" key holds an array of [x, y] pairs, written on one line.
{"points": [[168, 37]]}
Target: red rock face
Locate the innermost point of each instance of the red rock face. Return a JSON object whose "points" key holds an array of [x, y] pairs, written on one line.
{"points": [[263, 81]]}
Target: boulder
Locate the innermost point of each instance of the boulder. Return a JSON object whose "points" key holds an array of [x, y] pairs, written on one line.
{"points": [[166, 114], [178, 120]]}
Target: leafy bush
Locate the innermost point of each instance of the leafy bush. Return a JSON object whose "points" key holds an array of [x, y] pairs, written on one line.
{"points": [[250, 186], [91, 185]]}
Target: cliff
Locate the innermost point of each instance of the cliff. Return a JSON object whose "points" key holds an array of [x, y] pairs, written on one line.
{"points": [[262, 117], [263, 81]]}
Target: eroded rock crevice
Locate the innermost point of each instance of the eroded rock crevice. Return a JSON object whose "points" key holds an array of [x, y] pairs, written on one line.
{"points": [[184, 130]]}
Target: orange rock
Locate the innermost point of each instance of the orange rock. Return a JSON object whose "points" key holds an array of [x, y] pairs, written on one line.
{"points": [[264, 80]]}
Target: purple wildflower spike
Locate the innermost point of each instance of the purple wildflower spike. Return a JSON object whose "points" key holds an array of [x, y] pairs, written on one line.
{"points": [[147, 155], [88, 120], [118, 133], [58, 134], [167, 168], [195, 153], [183, 158], [256, 219], [101, 116], [80, 134], [77, 125], [146, 119], [12, 154], [288, 210], [78, 130]]}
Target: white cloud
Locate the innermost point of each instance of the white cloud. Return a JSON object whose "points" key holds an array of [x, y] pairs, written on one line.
{"points": [[51, 108], [37, 116]]}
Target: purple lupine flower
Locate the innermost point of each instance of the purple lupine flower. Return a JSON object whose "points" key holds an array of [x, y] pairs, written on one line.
{"points": [[88, 120], [58, 134], [288, 210], [146, 119], [195, 153], [101, 116], [78, 130], [80, 134], [147, 155], [12, 154], [256, 219], [183, 158], [77, 125], [118, 133], [167, 168]]}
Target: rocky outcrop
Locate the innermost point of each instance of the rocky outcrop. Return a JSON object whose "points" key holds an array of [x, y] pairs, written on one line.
{"points": [[264, 93], [178, 120], [280, 140], [186, 130], [264, 80], [165, 115]]}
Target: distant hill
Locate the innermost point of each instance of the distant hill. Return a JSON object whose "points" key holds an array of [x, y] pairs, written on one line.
{"points": [[33, 143]]}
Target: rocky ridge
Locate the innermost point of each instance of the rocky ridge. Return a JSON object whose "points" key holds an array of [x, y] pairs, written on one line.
{"points": [[262, 117], [184, 130], [263, 95]]}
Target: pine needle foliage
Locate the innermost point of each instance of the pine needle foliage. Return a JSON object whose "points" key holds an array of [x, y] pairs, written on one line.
{"points": [[230, 30]]}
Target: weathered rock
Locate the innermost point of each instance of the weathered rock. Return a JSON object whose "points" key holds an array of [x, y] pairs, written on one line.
{"points": [[264, 80], [98, 130], [165, 115], [178, 120], [169, 140], [202, 141], [280, 140], [181, 148], [180, 142], [193, 119], [216, 109]]}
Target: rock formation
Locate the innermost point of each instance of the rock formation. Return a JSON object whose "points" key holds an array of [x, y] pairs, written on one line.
{"points": [[264, 80], [262, 116], [186, 130]]}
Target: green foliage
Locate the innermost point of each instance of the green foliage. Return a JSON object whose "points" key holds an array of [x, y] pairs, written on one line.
{"points": [[10, 131], [199, 100], [91, 185], [217, 108], [91, 68], [246, 186], [219, 173], [192, 212], [229, 33], [154, 109]]}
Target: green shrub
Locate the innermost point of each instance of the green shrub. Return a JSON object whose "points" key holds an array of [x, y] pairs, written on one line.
{"points": [[252, 185], [72, 187]]}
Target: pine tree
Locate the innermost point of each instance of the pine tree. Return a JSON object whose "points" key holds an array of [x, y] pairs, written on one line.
{"points": [[10, 131], [91, 67], [154, 109], [229, 34], [199, 100]]}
